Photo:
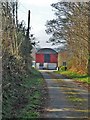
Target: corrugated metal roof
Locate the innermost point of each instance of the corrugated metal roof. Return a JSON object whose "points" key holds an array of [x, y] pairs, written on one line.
{"points": [[46, 51]]}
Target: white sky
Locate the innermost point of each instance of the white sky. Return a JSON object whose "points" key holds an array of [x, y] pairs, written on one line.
{"points": [[41, 11]]}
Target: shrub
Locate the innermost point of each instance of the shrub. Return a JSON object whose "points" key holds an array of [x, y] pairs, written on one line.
{"points": [[63, 68]]}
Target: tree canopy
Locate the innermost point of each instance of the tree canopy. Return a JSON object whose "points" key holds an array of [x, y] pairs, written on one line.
{"points": [[70, 27]]}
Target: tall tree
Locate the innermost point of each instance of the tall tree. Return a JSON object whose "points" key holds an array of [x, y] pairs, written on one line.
{"points": [[13, 57], [71, 25]]}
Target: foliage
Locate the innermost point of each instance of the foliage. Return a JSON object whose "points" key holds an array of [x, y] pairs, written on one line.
{"points": [[20, 83], [71, 28], [34, 96], [22, 93], [63, 68]]}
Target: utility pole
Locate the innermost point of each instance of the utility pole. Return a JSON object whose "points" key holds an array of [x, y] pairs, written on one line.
{"points": [[28, 24], [27, 42]]}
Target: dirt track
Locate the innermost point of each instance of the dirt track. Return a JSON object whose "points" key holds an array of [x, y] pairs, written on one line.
{"points": [[66, 98]]}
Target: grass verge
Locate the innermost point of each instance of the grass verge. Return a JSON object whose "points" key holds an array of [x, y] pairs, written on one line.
{"points": [[83, 78], [35, 87], [24, 97]]}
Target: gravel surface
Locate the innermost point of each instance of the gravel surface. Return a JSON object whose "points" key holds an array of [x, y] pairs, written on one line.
{"points": [[66, 98]]}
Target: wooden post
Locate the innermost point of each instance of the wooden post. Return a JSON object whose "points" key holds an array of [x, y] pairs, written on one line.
{"points": [[27, 41]]}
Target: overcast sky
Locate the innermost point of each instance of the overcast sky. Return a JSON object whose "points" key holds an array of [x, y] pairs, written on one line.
{"points": [[41, 11]]}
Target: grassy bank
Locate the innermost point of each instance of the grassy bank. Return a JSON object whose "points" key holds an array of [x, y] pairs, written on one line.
{"points": [[79, 77], [34, 94], [24, 95]]}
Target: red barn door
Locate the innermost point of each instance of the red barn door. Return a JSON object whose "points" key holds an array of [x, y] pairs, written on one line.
{"points": [[39, 58], [53, 58]]}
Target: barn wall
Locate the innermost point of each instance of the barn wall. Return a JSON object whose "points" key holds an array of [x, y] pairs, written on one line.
{"points": [[53, 58], [62, 57], [47, 66], [52, 65], [39, 58], [37, 65], [48, 57]]}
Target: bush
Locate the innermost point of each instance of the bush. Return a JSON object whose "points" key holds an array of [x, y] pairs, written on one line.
{"points": [[63, 68]]}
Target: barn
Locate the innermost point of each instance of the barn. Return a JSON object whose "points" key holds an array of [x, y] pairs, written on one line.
{"points": [[46, 58]]}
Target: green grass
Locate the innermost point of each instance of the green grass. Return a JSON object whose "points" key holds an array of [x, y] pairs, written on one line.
{"points": [[33, 83], [84, 78]]}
